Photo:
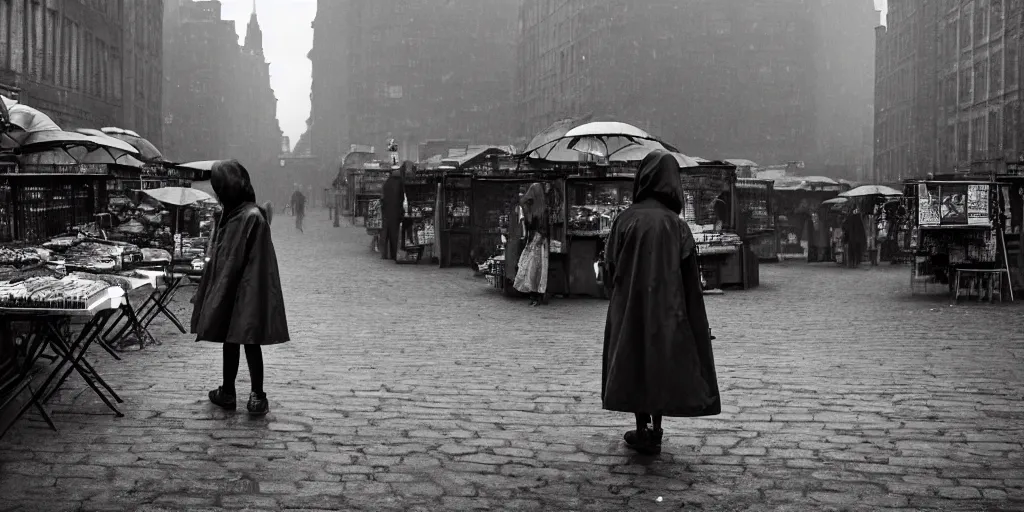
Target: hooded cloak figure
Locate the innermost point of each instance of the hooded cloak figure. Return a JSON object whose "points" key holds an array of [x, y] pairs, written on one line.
{"points": [[532, 269], [239, 300], [392, 211], [657, 344]]}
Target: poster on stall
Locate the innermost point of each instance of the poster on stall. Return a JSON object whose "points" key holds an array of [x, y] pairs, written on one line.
{"points": [[977, 205], [953, 205], [927, 205]]}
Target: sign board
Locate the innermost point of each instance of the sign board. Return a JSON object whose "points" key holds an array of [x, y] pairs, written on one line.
{"points": [[927, 205], [1015, 168], [954, 204], [977, 205]]}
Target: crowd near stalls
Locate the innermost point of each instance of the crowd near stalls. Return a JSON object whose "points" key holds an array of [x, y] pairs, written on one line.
{"points": [[465, 207], [97, 230]]}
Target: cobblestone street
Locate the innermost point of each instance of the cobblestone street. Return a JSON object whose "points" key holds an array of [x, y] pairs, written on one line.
{"points": [[418, 388]]}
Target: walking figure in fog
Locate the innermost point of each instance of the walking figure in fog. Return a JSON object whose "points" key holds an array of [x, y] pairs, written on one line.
{"points": [[657, 342], [239, 301], [268, 209], [298, 207]]}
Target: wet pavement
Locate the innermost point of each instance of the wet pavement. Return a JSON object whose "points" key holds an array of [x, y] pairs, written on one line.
{"points": [[417, 388]]}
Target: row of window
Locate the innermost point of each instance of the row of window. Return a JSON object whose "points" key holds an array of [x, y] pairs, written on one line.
{"points": [[51, 48]]}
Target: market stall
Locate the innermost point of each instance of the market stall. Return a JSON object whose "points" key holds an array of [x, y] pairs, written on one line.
{"points": [[419, 225], [756, 216], [454, 229], [49, 305], [367, 200], [347, 183], [40, 201], [496, 243], [959, 236], [1012, 201], [709, 192], [593, 201], [797, 199]]}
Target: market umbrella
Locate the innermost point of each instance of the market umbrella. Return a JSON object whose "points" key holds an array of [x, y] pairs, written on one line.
{"points": [[178, 196], [604, 139], [79, 155], [148, 152], [837, 203], [637, 153], [23, 121], [871, 190]]}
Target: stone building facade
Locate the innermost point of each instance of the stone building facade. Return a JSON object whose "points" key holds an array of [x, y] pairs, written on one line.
{"points": [[411, 71], [218, 102], [86, 63], [948, 87], [718, 78]]}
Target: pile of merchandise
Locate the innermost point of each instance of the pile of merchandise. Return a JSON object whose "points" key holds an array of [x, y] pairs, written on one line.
{"points": [[594, 218], [18, 259], [374, 220], [50, 293]]}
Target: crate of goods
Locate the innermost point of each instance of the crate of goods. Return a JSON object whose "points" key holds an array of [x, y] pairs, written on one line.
{"points": [[69, 292]]}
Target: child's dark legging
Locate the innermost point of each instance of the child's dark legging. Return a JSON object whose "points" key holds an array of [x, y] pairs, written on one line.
{"points": [[254, 358]]}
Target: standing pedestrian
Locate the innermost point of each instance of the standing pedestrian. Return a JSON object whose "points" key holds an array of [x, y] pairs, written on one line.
{"points": [[532, 269], [268, 208], [657, 343], [856, 238], [298, 207], [392, 210], [239, 301]]}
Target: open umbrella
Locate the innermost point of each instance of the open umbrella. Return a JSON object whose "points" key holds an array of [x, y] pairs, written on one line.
{"points": [[79, 155], [147, 151], [871, 190], [178, 196], [601, 139]]}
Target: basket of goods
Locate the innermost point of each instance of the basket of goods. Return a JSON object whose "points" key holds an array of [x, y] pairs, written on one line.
{"points": [[50, 293]]}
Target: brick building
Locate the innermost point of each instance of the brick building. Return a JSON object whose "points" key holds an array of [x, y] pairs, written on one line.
{"points": [[948, 87], [86, 63], [412, 71], [725, 79], [218, 102]]}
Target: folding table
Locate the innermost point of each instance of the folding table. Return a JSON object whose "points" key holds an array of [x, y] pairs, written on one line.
{"points": [[49, 326]]}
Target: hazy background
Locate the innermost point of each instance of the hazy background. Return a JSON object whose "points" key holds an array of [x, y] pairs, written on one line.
{"points": [[287, 38]]}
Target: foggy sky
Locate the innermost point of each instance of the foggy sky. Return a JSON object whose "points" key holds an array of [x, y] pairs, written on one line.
{"points": [[287, 38]]}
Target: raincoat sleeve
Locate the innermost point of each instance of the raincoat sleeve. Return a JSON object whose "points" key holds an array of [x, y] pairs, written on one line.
{"points": [[215, 297], [696, 311], [608, 261], [258, 312]]}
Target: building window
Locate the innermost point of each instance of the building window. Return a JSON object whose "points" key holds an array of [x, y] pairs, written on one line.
{"points": [[980, 21], [5, 33], [36, 55], [998, 17], [1012, 67], [995, 81], [966, 84], [995, 133], [980, 84], [965, 31]]}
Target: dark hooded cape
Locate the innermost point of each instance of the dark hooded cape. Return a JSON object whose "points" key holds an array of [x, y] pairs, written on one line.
{"points": [[239, 299], [657, 344]]}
